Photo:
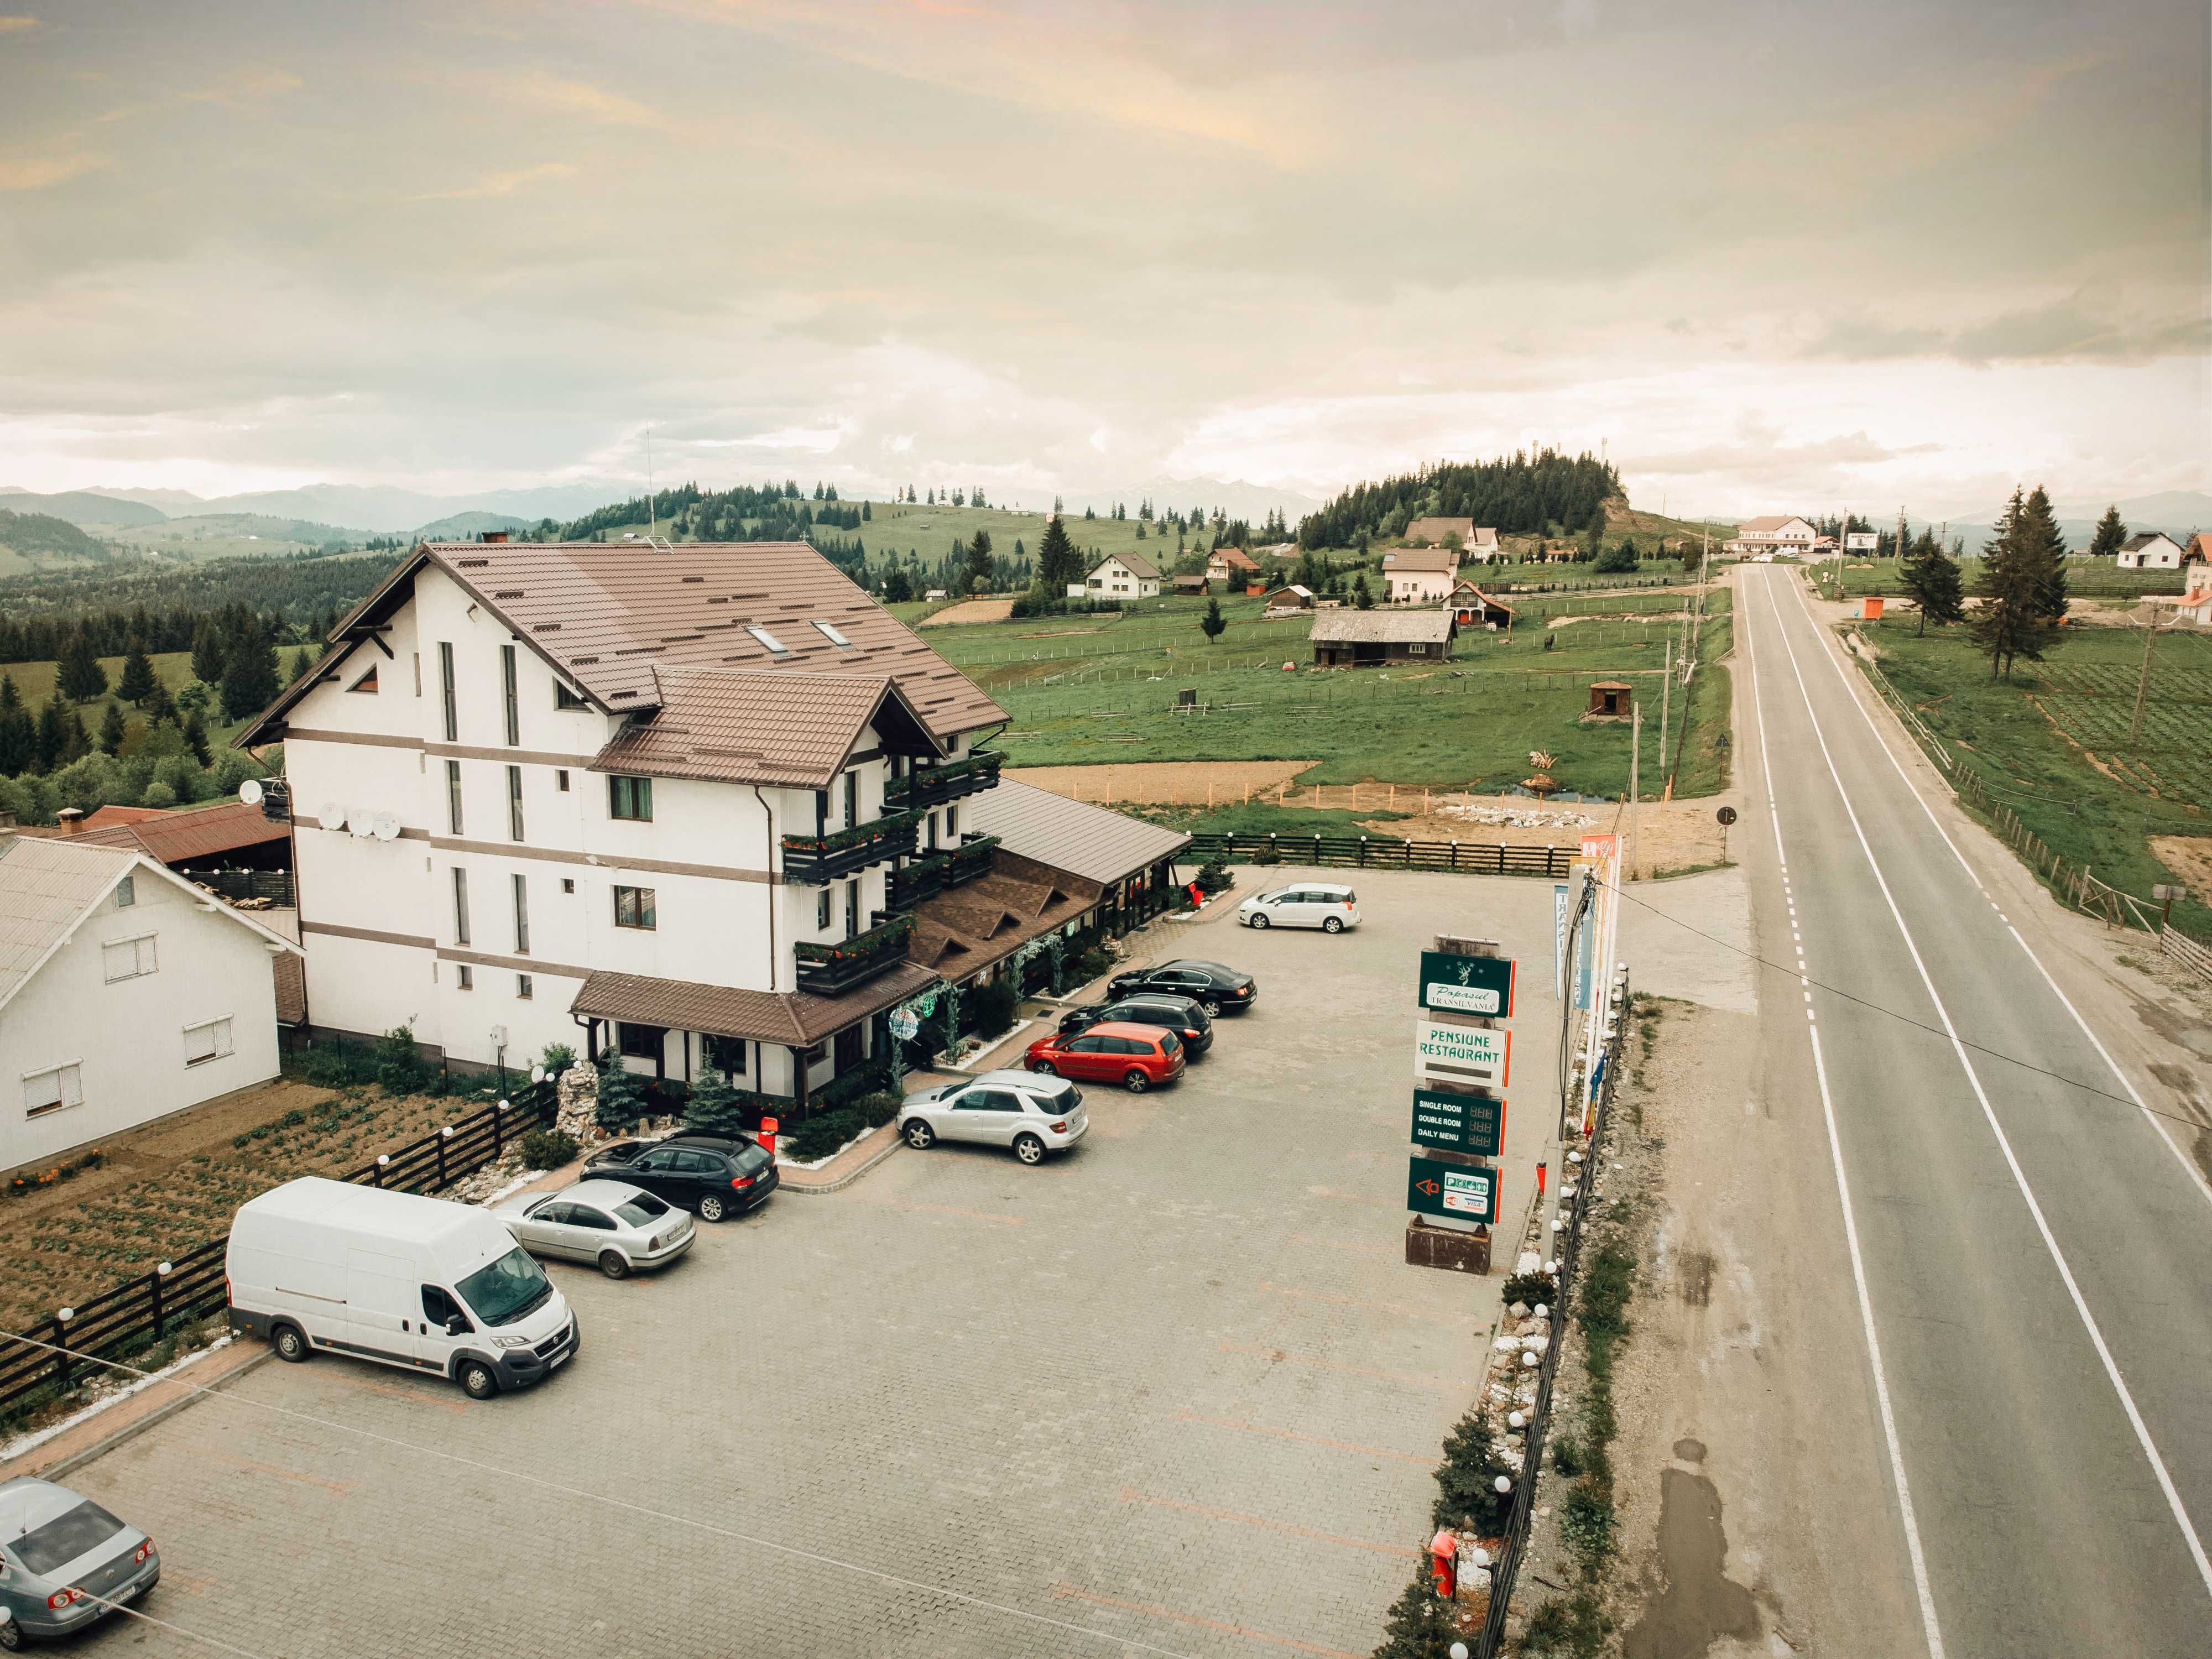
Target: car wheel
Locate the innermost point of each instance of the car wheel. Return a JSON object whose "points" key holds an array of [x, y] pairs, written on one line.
{"points": [[291, 1344], [712, 1206], [919, 1135], [1333, 924], [1213, 1008], [1259, 922], [1028, 1149], [1043, 1068], [613, 1264], [477, 1380], [11, 1636], [1135, 1081]]}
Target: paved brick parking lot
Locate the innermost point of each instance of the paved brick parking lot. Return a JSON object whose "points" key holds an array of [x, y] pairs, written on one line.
{"points": [[1177, 1388]]}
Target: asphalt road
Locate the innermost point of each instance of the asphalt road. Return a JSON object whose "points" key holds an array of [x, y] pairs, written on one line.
{"points": [[2029, 1313]]}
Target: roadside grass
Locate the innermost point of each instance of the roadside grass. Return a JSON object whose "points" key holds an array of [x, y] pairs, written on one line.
{"points": [[2051, 743], [2086, 578]]}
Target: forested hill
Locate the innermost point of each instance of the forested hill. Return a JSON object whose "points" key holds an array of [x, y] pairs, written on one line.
{"points": [[40, 535], [1522, 494]]}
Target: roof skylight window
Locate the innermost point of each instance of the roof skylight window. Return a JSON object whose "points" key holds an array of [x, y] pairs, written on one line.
{"points": [[832, 633], [776, 647]]}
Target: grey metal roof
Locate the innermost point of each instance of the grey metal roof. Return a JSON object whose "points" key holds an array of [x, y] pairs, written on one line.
{"points": [[1381, 627], [1086, 841], [46, 888]]}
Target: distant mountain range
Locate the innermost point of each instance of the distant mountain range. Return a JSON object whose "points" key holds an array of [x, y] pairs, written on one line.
{"points": [[350, 510], [2177, 512]]}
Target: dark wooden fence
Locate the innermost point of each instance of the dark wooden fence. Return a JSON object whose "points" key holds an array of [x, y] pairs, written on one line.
{"points": [[135, 1316], [1381, 852], [274, 885]]}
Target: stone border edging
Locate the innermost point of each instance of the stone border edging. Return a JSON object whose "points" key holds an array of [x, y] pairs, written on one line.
{"points": [[865, 1158]]}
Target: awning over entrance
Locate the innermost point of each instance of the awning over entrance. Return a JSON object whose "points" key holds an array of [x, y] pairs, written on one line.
{"points": [[793, 1017]]}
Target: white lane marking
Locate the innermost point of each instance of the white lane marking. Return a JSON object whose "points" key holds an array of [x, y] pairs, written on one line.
{"points": [[1930, 1627], [2004, 1143], [2095, 1042]]}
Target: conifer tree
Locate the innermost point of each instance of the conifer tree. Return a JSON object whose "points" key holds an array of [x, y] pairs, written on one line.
{"points": [[249, 673], [19, 735], [1931, 579], [1212, 623], [2012, 621], [196, 738], [1059, 566], [52, 735], [714, 1107], [207, 652], [1361, 599], [2042, 554], [621, 1102], [79, 676], [2111, 533], [112, 729], [137, 681]]}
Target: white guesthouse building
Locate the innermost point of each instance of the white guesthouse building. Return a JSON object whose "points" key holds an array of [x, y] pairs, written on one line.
{"points": [[1773, 534], [623, 794], [1127, 576], [126, 993]]}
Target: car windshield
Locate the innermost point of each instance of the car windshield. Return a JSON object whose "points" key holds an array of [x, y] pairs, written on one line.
{"points": [[507, 1290], [642, 1211], [66, 1537]]}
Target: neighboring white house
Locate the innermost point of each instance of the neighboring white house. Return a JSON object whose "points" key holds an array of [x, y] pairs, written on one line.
{"points": [[1420, 575], [1232, 565], [2154, 551], [652, 793], [1773, 535], [1125, 576], [126, 993]]}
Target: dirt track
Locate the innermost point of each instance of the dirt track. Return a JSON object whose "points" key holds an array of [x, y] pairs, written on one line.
{"points": [[1173, 783], [970, 610]]}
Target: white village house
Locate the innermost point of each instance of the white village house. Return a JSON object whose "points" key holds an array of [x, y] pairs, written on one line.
{"points": [[628, 796], [1474, 543], [1420, 575], [1773, 535], [1125, 576], [126, 993], [2154, 550]]}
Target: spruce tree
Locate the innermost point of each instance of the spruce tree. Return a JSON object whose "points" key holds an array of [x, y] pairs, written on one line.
{"points": [[160, 705], [52, 735], [1420, 1623], [2042, 554], [196, 738], [714, 1107], [2012, 621], [2111, 533], [1361, 599], [138, 680], [1931, 579], [79, 676], [207, 652], [1212, 623], [112, 729], [19, 735], [979, 562], [76, 742], [249, 674], [1466, 1480], [622, 1100], [1059, 566]]}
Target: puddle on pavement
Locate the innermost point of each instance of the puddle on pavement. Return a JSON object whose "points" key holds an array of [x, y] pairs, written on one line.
{"points": [[1700, 1603], [1696, 1277]]}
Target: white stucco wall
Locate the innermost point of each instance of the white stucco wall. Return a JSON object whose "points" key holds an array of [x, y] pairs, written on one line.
{"points": [[127, 1037]]}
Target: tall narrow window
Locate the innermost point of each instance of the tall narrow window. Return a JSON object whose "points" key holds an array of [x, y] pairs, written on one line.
{"points": [[460, 907], [514, 699], [521, 915], [418, 672], [822, 908], [852, 798], [446, 676], [454, 798], [851, 909], [514, 803]]}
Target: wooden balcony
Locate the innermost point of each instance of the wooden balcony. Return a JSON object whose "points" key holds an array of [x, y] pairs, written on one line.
{"points": [[818, 860], [831, 969], [928, 876], [934, 786]]}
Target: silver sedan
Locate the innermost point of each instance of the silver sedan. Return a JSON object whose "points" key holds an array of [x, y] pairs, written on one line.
{"points": [[616, 1227]]}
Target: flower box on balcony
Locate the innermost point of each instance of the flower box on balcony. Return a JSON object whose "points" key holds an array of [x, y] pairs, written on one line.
{"points": [[828, 968], [815, 859], [934, 786]]}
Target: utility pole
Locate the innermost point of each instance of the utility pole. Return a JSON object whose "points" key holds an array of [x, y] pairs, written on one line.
{"points": [[1666, 693], [652, 523], [1635, 753], [2142, 678]]}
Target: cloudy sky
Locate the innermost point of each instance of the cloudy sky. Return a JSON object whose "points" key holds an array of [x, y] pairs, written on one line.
{"points": [[1869, 252]]}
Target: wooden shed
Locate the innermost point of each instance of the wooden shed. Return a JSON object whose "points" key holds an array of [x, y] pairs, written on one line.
{"points": [[1613, 697]]}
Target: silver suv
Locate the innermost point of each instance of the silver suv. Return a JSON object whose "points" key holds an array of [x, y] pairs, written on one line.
{"points": [[1031, 1113]]}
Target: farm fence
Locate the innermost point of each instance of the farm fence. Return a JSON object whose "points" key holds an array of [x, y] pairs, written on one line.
{"points": [[1569, 1254], [2076, 886], [136, 1317], [1381, 853]]}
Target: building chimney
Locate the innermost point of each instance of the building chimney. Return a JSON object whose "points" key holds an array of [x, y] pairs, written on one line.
{"points": [[7, 822], [491, 536], [70, 818]]}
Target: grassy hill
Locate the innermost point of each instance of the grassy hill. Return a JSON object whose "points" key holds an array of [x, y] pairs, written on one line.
{"points": [[84, 510], [29, 540]]}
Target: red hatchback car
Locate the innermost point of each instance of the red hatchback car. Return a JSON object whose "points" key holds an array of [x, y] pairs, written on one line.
{"points": [[1134, 1056]]}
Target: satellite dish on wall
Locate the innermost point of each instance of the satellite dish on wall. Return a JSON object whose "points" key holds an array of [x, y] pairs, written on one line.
{"points": [[250, 791], [386, 827], [332, 816]]}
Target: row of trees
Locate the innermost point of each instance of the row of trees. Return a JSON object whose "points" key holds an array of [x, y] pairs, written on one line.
{"points": [[2021, 584]]}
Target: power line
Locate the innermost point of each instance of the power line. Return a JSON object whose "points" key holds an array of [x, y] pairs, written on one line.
{"points": [[589, 1496], [1918, 1025]]}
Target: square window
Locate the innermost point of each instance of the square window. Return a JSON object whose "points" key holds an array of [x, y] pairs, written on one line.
{"points": [[634, 907], [127, 959], [568, 884], [53, 1090], [630, 799], [208, 1039], [642, 1041]]}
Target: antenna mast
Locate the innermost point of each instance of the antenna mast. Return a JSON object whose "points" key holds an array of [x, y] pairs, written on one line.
{"points": [[652, 524]]}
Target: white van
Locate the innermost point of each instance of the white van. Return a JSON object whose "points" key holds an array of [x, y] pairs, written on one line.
{"points": [[420, 1283]]}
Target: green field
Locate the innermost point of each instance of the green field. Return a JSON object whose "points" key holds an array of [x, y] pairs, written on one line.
{"points": [[2053, 743], [2085, 579], [34, 683], [1091, 690]]}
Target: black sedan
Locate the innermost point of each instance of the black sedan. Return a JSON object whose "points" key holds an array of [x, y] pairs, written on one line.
{"points": [[1178, 1014], [716, 1176], [1212, 987]]}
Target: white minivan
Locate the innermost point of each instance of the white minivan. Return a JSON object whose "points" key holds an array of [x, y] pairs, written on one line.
{"points": [[423, 1284], [1320, 904]]}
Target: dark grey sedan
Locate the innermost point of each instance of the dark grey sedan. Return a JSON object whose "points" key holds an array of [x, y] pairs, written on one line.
{"points": [[65, 1563]]}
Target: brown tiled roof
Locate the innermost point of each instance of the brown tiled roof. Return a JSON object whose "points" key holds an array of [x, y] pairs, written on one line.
{"points": [[793, 1017], [606, 614], [1135, 563], [1235, 557], [177, 837], [1442, 559], [1433, 531], [749, 726], [987, 920], [108, 816]]}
